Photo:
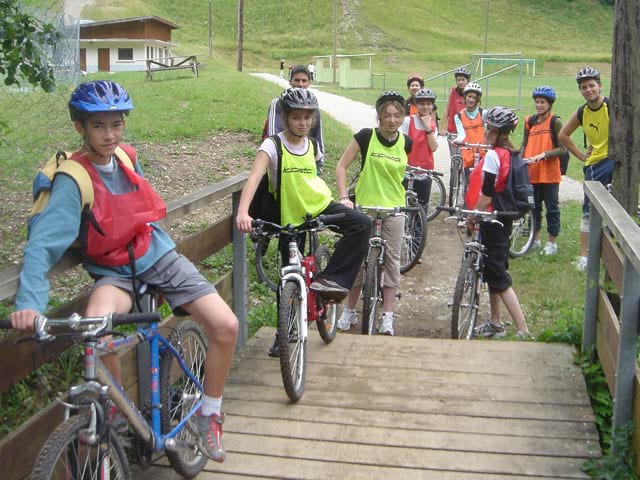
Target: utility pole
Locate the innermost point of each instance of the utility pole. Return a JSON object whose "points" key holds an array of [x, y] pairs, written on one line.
{"points": [[210, 33], [240, 32], [334, 62], [486, 26]]}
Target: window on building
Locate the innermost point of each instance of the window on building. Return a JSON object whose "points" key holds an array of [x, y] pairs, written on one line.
{"points": [[125, 54]]}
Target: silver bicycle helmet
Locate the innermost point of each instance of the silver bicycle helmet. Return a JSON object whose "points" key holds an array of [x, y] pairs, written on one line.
{"points": [[502, 118], [425, 94], [298, 99], [472, 87], [462, 72], [586, 73]]}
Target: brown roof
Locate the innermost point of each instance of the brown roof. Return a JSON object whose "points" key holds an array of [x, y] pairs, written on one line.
{"points": [[149, 18]]}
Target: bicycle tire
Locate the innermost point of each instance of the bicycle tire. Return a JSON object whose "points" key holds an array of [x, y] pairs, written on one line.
{"points": [[521, 238], [371, 291], [465, 300], [67, 455], [437, 198], [414, 239], [178, 393], [328, 321], [455, 181], [293, 348], [268, 262]]}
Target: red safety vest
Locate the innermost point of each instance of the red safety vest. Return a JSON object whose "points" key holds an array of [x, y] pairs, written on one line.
{"points": [[120, 220], [476, 179], [420, 155]]}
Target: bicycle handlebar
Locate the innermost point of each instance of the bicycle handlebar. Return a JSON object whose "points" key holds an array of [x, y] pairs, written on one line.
{"points": [[482, 214], [413, 170], [317, 223]]}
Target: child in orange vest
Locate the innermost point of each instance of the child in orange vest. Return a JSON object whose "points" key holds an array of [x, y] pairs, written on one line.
{"points": [[544, 168]]}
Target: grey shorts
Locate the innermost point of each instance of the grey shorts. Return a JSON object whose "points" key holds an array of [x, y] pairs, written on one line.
{"points": [[174, 276]]}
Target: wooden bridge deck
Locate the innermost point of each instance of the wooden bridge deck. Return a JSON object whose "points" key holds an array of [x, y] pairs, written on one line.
{"points": [[406, 408]]}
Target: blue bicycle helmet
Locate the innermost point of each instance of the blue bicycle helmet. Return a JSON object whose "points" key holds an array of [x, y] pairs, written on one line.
{"points": [[98, 96], [389, 95], [545, 92]]}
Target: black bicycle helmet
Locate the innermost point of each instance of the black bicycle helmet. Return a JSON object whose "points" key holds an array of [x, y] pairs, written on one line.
{"points": [[425, 94], [586, 73], [462, 72], [98, 96], [472, 87], [298, 99], [502, 118], [389, 95], [545, 92], [415, 77]]}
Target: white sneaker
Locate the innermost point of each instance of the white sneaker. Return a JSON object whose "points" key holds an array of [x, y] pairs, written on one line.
{"points": [[386, 325], [581, 266], [347, 320], [536, 245], [549, 249]]}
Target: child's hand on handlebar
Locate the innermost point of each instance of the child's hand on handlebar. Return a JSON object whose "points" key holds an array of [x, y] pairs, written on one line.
{"points": [[243, 222], [346, 201], [23, 319]]}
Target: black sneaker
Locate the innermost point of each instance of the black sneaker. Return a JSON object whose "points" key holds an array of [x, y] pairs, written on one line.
{"points": [[329, 288], [274, 351]]}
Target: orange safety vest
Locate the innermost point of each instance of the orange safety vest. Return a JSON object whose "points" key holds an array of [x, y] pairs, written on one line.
{"points": [[474, 133], [540, 140]]}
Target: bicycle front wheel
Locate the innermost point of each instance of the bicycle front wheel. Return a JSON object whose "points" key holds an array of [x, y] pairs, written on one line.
{"points": [[371, 291], [455, 182], [465, 300], [328, 321], [179, 394], [521, 238], [414, 239], [292, 345], [68, 454], [437, 197], [268, 262]]}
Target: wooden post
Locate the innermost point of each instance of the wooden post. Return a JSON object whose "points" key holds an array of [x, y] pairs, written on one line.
{"points": [[592, 283], [240, 32], [240, 275], [624, 114]]}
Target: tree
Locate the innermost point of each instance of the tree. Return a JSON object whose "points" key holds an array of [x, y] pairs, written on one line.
{"points": [[624, 142], [23, 47]]}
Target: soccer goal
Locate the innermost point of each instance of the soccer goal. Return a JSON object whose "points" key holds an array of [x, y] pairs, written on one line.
{"points": [[351, 71]]}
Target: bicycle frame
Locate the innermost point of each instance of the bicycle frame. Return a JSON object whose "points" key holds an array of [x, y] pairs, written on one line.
{"points": [[150, 433]]}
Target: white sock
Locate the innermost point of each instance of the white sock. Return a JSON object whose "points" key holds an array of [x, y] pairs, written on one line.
{"points": [[388, 315], [210, 405]]}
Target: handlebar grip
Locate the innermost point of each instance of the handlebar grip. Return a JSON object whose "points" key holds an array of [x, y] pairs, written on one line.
{"points": [[511, 215], [442, 208], [5, 324], [129, 318], [409, 209], [328, 219]]}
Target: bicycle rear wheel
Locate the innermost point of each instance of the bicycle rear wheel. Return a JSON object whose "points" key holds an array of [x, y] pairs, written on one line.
{"points": [[414, 239], [292, 345], [371, 291], [521, 238], [437, 197], [328, 321], [455, 182], [68, 454], [178, 393], [268, 262], [466, 300]]}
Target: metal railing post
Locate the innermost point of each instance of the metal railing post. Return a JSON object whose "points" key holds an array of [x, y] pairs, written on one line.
{"points": [[240, 283], [592, 281]]}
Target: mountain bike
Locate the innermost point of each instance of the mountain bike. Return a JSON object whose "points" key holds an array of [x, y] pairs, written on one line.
{"points": [[298, 305], [373, 277], [414, 239], [521, 239], [85, 445], [466, 296], [455, 174], [437, 194]]}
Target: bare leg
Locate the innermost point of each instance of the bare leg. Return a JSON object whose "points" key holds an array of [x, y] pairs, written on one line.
{"points": [[352, 298], [221, 326], [494, 305], [104, 300], [389, 297], [512, 303]]}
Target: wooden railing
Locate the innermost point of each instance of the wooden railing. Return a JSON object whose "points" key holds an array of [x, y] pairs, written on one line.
{"points": [[19, 449], [173, 63], [612, 306]]}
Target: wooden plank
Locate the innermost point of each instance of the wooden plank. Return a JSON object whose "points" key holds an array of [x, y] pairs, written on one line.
{"points": [[612, 260], [208, 241], [607, 333]]}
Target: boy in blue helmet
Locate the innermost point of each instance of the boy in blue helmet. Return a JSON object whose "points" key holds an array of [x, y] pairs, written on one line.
{"points": [[122, 246]]}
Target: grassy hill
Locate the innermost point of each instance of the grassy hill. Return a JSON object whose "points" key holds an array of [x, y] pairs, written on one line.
{"points": [[407, 35]]}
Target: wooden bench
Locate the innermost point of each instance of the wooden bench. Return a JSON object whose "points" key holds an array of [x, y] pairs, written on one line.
{"points": [[174, 63]]}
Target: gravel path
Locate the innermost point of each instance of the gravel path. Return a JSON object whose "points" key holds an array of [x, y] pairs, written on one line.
{"points": [[357, 115]]}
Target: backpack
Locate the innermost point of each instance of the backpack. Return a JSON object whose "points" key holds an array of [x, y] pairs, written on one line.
{"points": [[43, 181], [564, 158], [517, 195], [264, 204]]}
